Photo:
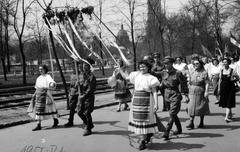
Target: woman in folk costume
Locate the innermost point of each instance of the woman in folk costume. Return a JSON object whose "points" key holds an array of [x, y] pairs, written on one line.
{"points": [[144, 102], [122, 93], [44, 105]]}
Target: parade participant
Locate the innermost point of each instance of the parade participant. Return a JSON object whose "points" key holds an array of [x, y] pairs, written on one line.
{"points": [[158, 67], [214, 76], [122, 93], [181, 66], [227, 89], [198, 94], [171, 79], [85, 105], [190, 66], [45, 107], [73, 97], [142, 120]]}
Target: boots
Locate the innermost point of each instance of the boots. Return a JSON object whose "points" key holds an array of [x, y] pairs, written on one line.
{"points": [[142, 145], [38, 127], [55, 123], [148, 137], [68, 124], [190, 125]]}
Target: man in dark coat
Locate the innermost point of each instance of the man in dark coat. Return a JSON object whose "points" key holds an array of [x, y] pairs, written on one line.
{"points": [[171, 79], [158, 67], [85, 104]]}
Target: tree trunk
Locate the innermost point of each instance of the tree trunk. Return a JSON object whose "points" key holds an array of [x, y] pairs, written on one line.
{"points": [[23, 62], [4, 69]]}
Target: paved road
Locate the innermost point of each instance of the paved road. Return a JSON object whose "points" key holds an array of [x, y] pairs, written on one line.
{"points": [[110, 134]]}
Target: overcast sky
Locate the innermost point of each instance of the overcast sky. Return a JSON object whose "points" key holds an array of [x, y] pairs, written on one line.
{"points": [[111, 14]]}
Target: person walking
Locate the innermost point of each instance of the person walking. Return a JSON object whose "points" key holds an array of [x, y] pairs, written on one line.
{"points": [[171, 79], [122, 93], [142, 120], [227, 89], [44, 105], [73, 97], [85, 105], [198, 94], [214, 77], [157, 68]]}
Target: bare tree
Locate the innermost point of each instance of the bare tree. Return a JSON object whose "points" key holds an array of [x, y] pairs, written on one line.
{"points": [[19, 27], [39, 35], [133, 24]]}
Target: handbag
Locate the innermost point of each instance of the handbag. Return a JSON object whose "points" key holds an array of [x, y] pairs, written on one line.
{"points": [[237, 87]]}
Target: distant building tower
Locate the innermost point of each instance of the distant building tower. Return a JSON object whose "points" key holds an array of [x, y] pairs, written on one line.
{"points": [[123, 37]]}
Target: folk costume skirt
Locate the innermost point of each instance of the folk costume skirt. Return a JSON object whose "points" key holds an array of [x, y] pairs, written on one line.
{"points": [[44, 107], [141, 117]]}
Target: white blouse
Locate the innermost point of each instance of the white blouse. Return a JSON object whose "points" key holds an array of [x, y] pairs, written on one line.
{"points": [[180, 67], [43, 81], [215, 69], [143, 81]]}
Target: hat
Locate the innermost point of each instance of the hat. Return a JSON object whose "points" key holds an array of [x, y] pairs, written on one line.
{"points": [[168, 59], [156, 54]]}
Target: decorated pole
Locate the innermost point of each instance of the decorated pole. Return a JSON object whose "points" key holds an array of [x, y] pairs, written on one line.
{"points": [[48, 14]]}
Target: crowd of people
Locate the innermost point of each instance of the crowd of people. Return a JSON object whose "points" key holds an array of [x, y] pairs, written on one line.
{"points": [[175, 79]]}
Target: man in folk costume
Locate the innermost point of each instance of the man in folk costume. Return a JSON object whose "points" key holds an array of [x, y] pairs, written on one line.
{"points": [[73, 97], [86, 99], [171, 79], [158, 67]]}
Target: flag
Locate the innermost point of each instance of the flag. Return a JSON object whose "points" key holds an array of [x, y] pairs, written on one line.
{"points": [[206, 52], [234, 40], [218, 49]]}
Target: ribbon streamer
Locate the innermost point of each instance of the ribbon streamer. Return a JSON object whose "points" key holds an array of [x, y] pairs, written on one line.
{"points": [[120, 52], [76, 33]]}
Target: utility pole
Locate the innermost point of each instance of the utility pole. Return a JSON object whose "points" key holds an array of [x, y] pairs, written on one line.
{"points": [[100, 35]]}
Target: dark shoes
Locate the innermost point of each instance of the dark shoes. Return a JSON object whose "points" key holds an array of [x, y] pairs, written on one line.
{"points": [[38, 127], [201, 125], [90, 127], [87, 132], [55, 123], [142, 145], [118, 110], [178, 131], [190, 126], [148, 137], [126, 107], [69, 124], [228, 120], [166, 136]]}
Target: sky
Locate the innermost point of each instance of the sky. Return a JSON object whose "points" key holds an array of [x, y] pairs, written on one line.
{"points": [[112, 15]]}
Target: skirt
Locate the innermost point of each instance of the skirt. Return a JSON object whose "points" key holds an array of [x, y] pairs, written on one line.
{"points": [[215, 84], [198, 104], [124, 97], [143, 127], [41, 109]]}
